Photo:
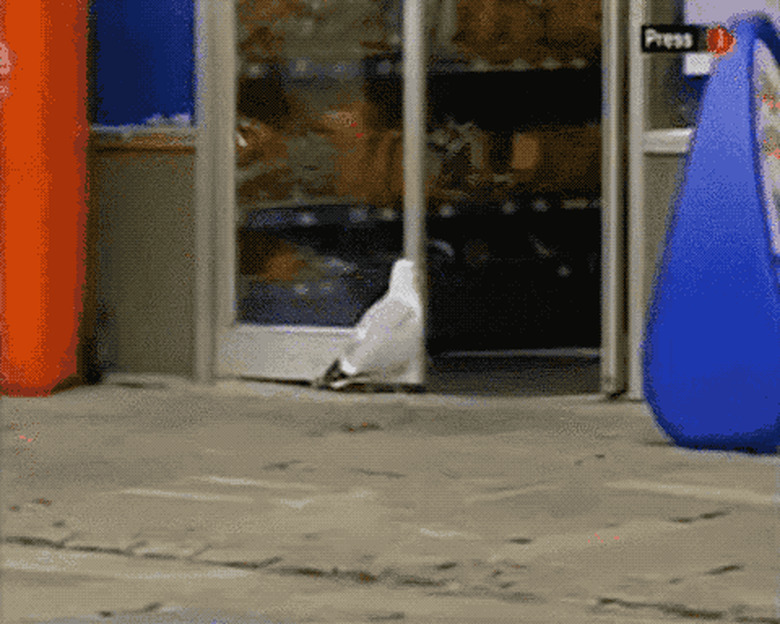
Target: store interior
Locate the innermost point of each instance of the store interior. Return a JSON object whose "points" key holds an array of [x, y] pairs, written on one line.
{"points": [[512, 179]]}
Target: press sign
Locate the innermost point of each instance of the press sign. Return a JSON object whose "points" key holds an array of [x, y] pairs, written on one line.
{"points": [[670, 38]]}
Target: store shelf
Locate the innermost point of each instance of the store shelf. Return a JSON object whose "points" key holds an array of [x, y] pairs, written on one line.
{"points": [[383, 65], [550, 63], [391, 64], [322, 214], [286, 215]]}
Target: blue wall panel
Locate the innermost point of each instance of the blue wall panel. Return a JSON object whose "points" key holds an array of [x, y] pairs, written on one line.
{"points": [[143, 60]]}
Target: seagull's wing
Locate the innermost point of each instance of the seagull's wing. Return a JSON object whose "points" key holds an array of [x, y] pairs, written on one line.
{"points": [[387, 339], [388, 336]]}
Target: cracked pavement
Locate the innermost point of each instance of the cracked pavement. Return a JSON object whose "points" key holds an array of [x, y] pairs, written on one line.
{"points": [[143, 501]]}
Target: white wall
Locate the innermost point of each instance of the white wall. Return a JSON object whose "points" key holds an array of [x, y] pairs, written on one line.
{"points": [[714, 12]]}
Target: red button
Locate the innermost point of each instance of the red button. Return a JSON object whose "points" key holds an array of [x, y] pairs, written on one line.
{"points": [[720, 40]]}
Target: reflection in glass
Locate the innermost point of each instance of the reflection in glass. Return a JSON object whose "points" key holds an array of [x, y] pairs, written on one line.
{"points": [[318, 163]]}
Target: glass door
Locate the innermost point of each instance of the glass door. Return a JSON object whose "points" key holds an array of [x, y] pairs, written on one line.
{"points": [[320, 208]]}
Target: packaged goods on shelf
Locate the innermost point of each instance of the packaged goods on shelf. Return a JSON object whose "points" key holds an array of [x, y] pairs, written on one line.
{"points": [[464, 150], [351, 118], [354, 177], [479, 149], [312, 163], [354, 137], [526, 151], [258, 141], [391, 19], [299, 116], [261, 25], [335, 26], [573, 28], [269, 12], [262, 156], [267, 156], [374, 172], [346, 155], [283, 266], [338, 29], [564, 158], [255, 249], [260, 44], [268, 257], [320, 29], [499, 31], [529, 150], [276, 184], [526, 159], [282, 282], [574, 159], [385, 164]]}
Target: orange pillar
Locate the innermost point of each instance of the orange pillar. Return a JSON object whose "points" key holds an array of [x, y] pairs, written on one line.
{"points": [[43, 140]]}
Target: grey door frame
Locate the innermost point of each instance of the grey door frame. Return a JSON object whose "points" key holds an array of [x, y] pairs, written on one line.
{"points": [[215, 71], [214, 289], [614, 55]]}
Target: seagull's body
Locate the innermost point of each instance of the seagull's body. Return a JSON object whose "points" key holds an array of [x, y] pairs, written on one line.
{"points": [[387, 337]]}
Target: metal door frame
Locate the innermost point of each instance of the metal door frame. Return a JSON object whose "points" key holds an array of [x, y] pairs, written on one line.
{"points": [[215, 263], [636, 270], [614, 53], [213, 38]]}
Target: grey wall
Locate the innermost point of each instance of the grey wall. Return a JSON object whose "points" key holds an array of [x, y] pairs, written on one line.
{"points": [[145, 263], [663, 179]]}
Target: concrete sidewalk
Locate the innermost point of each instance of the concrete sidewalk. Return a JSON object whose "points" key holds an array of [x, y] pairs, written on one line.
{"points": [[309, 506]]}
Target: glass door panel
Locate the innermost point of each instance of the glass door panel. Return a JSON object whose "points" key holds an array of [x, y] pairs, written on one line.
{"points": [[318, 178]]}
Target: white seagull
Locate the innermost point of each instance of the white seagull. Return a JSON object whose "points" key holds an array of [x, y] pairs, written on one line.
{"points": [[387, 337]]}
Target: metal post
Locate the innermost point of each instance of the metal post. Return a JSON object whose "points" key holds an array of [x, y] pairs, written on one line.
{"points": [[637, 235], [204, 184], [613, 327], [214, 115], [214, 181], [414, 133]]}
